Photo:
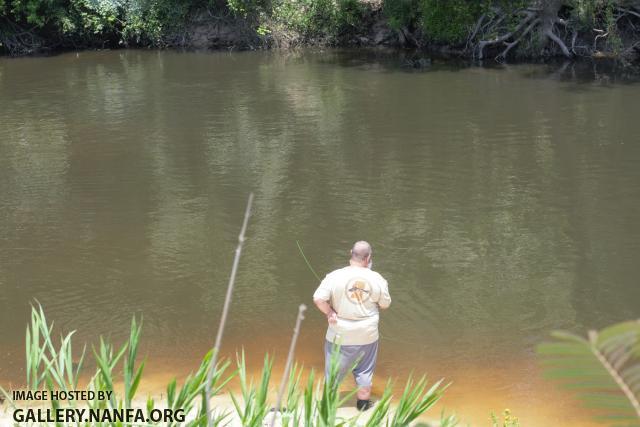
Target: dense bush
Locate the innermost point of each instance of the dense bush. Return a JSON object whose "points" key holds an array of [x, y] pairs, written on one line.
{"points": [[74, 17], [402, 13], [583, 12], [589, 14], [449, 21], [150, 22], [441, 21], [326, 19], [91, 23], [31, 25], [112, 23], [247, 8]]}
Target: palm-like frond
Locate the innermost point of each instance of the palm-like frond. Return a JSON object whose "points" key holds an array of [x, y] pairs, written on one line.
{"points": [[603, 369]]}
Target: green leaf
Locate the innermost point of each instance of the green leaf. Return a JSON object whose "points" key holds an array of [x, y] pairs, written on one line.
{"points": [[604, 369]]}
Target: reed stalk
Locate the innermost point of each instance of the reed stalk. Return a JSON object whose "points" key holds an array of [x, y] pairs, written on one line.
{"points": [[287, 367], [225, 312]]}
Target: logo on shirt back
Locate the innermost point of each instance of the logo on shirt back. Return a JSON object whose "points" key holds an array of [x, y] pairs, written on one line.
{"points": [[358, 290]]}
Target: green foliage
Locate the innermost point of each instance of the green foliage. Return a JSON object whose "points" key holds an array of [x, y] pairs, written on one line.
{"points": [[584, 13], [401, 13], [322, 17], [449, 420], [329, 399], [193, 389], [381, 410], [613, 40], [152, 22], [449, 21], [52, 367], [101, 22], [416, 399], [326, 19], [75, 19], [246, 8], [159, 23], [604, 369], [320, 402], [442, 21], [36, 12], [350, 14], [45, 362], [291, 413], [254, 406], [588, 15]]}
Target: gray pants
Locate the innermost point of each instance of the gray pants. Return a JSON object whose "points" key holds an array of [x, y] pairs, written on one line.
{"points": [[364, 355]]}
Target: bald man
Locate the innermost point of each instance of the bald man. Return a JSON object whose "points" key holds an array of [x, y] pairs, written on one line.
{"points": [[351, 298]]}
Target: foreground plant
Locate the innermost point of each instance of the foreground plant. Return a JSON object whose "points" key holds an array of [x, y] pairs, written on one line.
{"points": [[450, 420], [603, 369], [508, 421], [52, 368], [314, 403], [254, 407]]}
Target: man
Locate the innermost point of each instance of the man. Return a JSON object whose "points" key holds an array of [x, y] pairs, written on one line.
{"points": [[351, 298]]}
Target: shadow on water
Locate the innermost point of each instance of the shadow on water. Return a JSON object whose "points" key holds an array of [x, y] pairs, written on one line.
{"points": [[602, 72], [392, 60], [585, 72], [582, 71]]}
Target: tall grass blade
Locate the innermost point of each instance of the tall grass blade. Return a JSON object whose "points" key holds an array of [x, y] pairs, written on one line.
{"points": [[381, 410], [415, 401]]}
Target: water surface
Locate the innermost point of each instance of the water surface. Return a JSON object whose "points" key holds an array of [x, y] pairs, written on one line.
{"points": [[501, 203]]}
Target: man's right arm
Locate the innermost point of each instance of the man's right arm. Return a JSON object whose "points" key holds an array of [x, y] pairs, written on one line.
{"points": [[325, 308], [321, 298]]}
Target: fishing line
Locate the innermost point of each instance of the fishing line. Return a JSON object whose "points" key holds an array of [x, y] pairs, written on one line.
{"points": [[307, 261]]}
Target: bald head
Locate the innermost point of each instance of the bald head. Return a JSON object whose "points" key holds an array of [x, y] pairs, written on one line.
{"points": [[361, 252]]}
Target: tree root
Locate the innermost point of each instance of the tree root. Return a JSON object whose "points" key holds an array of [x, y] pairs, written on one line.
{"points": [[558, 41], [543, 16], [495, 31], [504, 37], [503, 54], [17, 40]]}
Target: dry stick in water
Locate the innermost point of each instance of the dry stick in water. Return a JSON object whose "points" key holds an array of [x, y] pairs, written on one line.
{"points": [[287, 366], [225, 312]]}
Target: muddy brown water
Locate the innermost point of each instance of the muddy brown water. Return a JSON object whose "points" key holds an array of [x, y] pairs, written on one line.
{"points": [[501, 203]]}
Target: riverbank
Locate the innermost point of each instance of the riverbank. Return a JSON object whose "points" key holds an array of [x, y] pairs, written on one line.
{"points": [[523, 30]]}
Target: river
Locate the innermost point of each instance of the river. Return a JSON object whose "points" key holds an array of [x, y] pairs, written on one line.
{"points": [[501, 203]]}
